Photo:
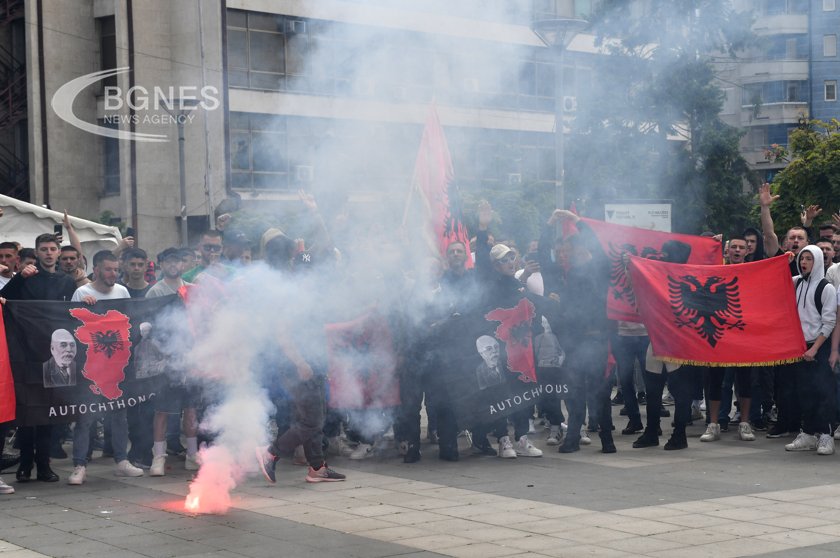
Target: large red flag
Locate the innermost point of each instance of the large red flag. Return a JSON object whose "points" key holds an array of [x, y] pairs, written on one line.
{"points": [[719, 315], [433, 179], [618, 239], [7, 382]]}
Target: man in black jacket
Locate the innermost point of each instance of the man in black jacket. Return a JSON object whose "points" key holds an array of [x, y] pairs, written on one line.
{"points": [[42, 281]]}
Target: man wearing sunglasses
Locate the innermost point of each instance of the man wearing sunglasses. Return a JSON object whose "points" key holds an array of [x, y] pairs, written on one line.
{"points": [[210, 247]]}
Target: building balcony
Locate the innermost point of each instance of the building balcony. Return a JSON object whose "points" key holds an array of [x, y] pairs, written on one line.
{"points": [[781, 24], [754, 72], [773, 113]]}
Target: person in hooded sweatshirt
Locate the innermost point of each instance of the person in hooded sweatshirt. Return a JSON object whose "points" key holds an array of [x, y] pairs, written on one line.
{"points": [[807, 393]]}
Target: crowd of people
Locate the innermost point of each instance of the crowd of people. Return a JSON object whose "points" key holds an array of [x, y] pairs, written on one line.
{"points": [[566, 276]]}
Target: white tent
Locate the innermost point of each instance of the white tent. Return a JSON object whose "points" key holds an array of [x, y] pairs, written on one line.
{"points": [[23, 222]]}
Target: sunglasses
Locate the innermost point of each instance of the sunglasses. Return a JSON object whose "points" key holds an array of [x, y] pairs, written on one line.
{"points": [[211, 247]]}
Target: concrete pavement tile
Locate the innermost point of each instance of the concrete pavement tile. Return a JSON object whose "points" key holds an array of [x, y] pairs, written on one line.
{"points": [[86, 548], [553, 512], [113, 529], [823, 502], [374, 510], [213, 554], [644, 527], [823, 513], [746, 529], [695, 520], [253, 502], [694, 506], [466, 511], [641, 545], [285, 510], [738, 501], [199, 533], [583, 550], [793, 521], [536, 543], [319, 516], [588, 535], [6, 546], [479, 550], [240, 540], [360, 524], [24, 553], [481, 532], [9, 522], [599, 519], [414, 517], [793, 508], [744, 514], [435, 541], [695, 537], [646, 512], [832, 529], [396, 533], [748, 547], [341, 503], [820, 551], [786, 495], [448, 526], [800, 538], [505, 518]]}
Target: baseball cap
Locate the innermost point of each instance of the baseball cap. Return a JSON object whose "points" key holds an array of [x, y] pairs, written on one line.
{"points": [[170, 252], [499, 251]]}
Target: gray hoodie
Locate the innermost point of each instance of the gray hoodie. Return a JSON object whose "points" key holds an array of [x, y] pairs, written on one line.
{"points": [[815, 323]]}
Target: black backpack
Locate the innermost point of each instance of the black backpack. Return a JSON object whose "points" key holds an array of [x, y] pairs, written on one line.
{"points": [[817, 293]]}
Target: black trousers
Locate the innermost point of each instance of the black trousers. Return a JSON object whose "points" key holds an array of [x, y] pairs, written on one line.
{"points": [[140, 432], [681, 384], [586, 360], [807, 394], [307, 422], [34, 445]]}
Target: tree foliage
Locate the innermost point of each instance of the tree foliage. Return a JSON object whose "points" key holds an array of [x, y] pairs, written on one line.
{"points": [[813, 175], [651, 127]]}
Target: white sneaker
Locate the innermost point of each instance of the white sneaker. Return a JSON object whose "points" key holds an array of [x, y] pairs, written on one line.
{"points": [[362, 451], [5, 488], [746, 432], [191, 462], [506, 448], [79, 474], [703, 405], [126, 469], [696, 412], [532, 429], [553, 436], [837, 433], [712, 433], [158, 468], [525, 448], [802, 442], [585, 440], [826, 445]]}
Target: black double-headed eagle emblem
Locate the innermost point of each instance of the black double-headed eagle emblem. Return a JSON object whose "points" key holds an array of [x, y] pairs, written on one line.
{"points": [[621, 288], [710, 308]]}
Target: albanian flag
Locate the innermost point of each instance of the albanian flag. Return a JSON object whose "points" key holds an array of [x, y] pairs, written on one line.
{"points": [[719, 315], [434, 179], [619, 239], [362, 364], [7, 381], [69, 359]]}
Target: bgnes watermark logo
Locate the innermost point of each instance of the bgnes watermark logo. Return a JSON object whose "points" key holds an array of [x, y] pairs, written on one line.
{"points": [[161, 106]]}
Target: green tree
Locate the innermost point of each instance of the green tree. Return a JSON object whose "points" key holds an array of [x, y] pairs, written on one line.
{"points": [[813, 175], [658, 85]]}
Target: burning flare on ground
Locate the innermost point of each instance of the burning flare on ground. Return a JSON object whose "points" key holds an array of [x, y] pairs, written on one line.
{"points": [[210, 490]]}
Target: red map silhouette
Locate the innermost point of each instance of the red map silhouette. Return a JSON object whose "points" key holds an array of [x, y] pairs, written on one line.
{"points": [[515, 331], [108, 349]]}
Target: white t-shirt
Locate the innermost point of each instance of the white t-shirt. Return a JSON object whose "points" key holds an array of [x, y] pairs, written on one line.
{"points": [[4, 280], [117, 291]]}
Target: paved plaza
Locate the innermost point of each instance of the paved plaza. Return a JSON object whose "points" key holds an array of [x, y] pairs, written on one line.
{"points": [[721, 499]]}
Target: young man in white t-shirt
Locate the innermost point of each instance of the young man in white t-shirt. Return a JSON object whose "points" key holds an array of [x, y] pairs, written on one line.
{"points": [[104, 287], [8, 260]]}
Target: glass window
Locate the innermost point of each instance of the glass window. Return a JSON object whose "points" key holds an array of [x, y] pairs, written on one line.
{"points": [[237, 45], [831, 90], [110, 160], [108, 48], [830, 45], [829, 6], [267, 52]]}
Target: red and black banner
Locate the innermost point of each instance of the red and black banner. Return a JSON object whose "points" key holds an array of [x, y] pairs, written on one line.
{"points": [[484, 363], [69, 359], [719, 315], [616, 240]]}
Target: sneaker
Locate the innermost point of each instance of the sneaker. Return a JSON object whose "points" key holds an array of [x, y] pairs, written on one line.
{"points": [[126, 469], [802, 442], [646, 440], [745, 432], [668, 399], [676, 442], [826, 445], [759, 425], [618, 399], [532, 429], [506, 448], [324, 474], [484, 449], [191, 462], [623, 412], [837, 433], [158, 468], [777, 431], [696, 413], [585, 440], [712, 433], [524, 448], [553, 436], [632, 428], [78, 475], [641, 397], [724, 426], [703, 405], [267, 463], [362, 451], [5, 488]]}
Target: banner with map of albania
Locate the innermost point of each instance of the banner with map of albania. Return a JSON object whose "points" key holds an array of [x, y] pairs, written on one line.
{"points": [[70, 359]]}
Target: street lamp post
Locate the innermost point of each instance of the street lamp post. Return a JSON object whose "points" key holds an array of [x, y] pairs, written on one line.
{"points": [[557, 34]]}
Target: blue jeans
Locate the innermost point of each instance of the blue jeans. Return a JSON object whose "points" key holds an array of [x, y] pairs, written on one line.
{"points": [[119, 436]]}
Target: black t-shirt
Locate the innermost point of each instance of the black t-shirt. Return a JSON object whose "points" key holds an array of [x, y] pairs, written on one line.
{"points": [[137, 293]]}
